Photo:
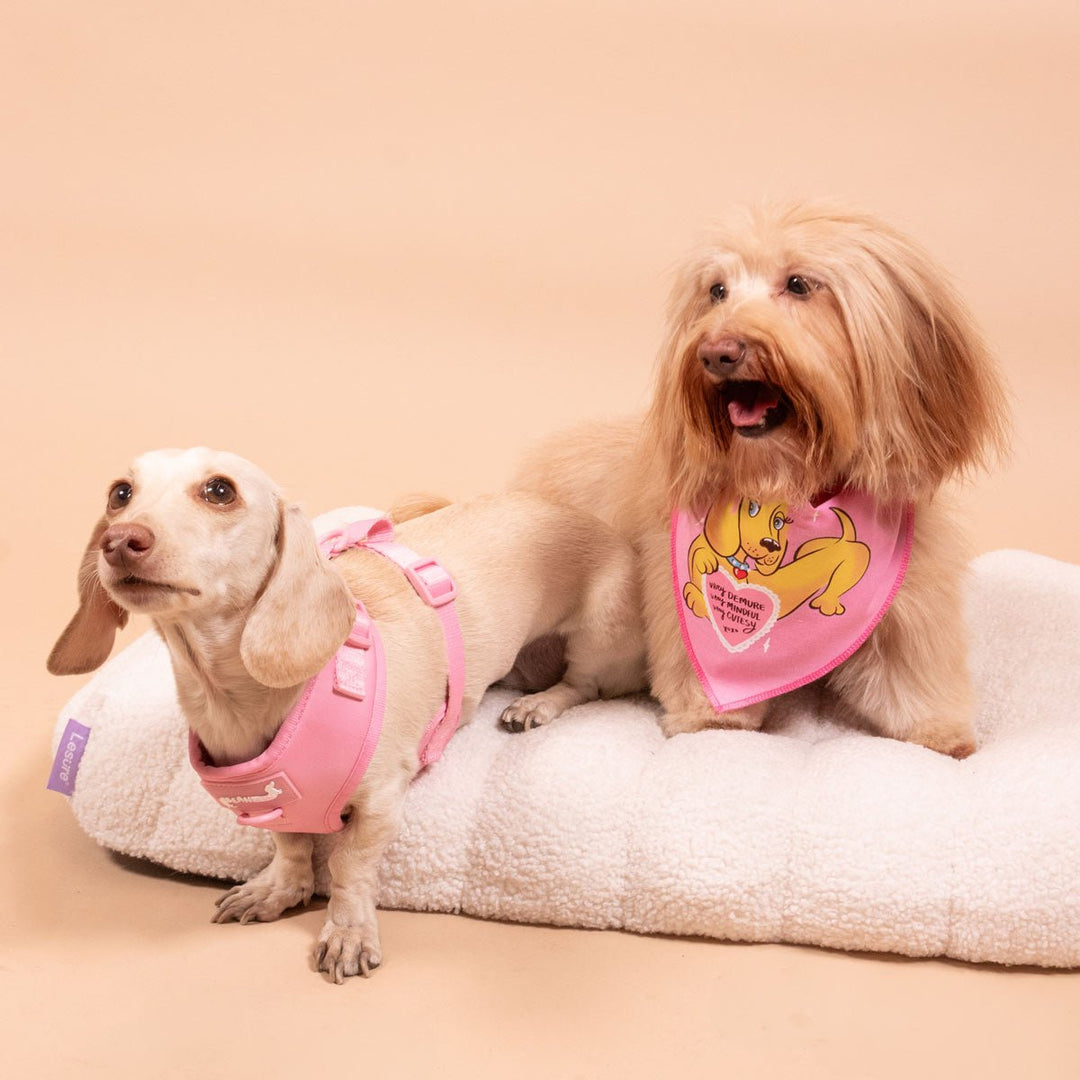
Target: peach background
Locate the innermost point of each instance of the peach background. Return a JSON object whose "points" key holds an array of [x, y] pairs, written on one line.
{"points": [[381, 247]]}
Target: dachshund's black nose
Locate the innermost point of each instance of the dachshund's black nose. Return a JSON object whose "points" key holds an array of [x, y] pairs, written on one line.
{"points": [[769, 544]]}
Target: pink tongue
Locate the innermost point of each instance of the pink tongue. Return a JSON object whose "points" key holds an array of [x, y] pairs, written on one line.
{"points": [[751, 413]]}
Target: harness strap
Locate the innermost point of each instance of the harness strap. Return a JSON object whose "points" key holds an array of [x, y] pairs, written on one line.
{"points": [[435, 586]]}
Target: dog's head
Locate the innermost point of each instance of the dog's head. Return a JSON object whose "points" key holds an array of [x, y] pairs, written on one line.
{"points": [[204, 537], [810, 347]]}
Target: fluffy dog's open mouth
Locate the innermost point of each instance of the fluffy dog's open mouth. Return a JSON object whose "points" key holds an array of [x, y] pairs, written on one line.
{"points": [[754, 408]]}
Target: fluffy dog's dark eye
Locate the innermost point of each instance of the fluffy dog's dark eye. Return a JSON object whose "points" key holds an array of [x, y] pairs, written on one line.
{"points": [[120, 495], [219, 491], [798, 285], [718, 292]]}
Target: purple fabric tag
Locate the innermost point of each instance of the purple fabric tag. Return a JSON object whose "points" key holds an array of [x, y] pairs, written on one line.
{"points": [[68, 757]]}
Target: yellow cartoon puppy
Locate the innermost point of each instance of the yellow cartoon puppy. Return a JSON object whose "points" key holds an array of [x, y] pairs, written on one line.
{"points": [[749, 542]]}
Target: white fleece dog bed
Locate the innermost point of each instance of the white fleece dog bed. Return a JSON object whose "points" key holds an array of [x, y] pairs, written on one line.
{"points": [[813, 833]]}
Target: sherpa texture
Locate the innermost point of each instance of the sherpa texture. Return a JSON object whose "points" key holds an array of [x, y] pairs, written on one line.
{"points": [[810, 833]]}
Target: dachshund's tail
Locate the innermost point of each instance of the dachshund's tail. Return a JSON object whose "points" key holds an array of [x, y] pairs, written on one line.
{"points": [[414, 506]]}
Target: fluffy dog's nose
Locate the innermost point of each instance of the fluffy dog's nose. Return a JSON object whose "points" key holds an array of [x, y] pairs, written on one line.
{"points": [[719, 355], [126, 544]]}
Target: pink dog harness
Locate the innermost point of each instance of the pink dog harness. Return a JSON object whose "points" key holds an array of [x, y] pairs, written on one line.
{"points": [[305, 777], [772, 597]]}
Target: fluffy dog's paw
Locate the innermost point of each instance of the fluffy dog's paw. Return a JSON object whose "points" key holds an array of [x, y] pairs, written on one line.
{"points": [[695, 601], [526, 713], [958, 741], [683, 723], [697, 716], [827, 605], [342, 951], [703, 716], [260, 901], [963, 749]]}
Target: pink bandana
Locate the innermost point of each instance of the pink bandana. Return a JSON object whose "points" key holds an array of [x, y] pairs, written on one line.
{"points": [[771, 597]]}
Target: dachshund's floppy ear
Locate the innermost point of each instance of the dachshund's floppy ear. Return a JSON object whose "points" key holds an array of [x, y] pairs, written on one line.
{"points": [[87, 640], [304, 613]]}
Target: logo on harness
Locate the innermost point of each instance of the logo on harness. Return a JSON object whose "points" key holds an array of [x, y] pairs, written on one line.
{"points": [[272, 791]]}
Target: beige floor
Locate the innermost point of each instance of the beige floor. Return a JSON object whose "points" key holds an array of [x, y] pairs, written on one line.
{"points": [[378, 248]]}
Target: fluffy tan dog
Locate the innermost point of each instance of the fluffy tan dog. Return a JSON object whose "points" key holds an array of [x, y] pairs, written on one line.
{"points": [[233, 579], [808, 348]]}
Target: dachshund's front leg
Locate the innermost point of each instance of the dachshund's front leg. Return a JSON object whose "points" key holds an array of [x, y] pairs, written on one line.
{"points": [[349, 941], [286, 881]]}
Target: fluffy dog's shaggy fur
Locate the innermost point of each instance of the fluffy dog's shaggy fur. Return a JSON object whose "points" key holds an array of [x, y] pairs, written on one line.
{"points": [[808, 348]]}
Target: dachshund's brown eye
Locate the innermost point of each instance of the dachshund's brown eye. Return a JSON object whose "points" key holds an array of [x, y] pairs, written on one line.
{"points": [[219, 491], [718, 292], [120, 495], [798, 285]]}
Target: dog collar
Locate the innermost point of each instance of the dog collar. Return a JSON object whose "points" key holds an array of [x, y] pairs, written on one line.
{"points": [[771, 596], [740, 568], [304, 779]]}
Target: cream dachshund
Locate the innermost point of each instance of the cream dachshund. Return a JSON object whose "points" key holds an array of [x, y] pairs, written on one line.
{"points": [[232, 577]]}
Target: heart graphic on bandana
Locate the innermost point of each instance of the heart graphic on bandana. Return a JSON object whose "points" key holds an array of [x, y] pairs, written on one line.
{"points": [[740, 613]]}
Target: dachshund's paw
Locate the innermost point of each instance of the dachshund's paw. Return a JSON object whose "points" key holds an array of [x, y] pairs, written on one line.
{"points": [[695, 600], [343, 951], [261, 900], [528, 712]]}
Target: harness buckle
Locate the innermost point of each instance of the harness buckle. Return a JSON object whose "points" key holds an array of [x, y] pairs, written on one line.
{"points": [[432, 582], [360, 634]]}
